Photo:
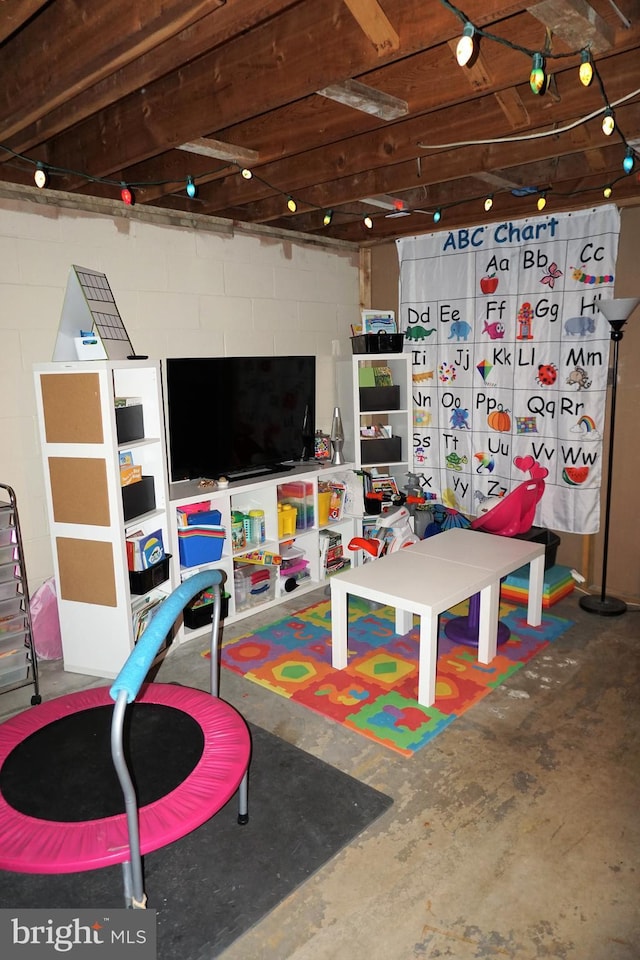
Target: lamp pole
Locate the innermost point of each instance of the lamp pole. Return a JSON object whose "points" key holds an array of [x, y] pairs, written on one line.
{"points": [[617, 312]]}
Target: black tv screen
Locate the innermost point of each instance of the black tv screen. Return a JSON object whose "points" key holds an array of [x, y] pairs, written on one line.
{"points": [[238, 416]]}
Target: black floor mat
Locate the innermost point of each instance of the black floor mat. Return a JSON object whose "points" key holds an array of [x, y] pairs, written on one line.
{"points": [[216, 883]]}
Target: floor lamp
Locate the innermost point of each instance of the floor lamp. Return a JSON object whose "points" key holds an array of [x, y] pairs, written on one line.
{"points": [[617, 313]]}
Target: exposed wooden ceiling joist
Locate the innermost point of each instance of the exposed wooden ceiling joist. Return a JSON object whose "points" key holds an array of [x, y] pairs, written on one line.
{"points": [[102, 96], [367, 99], [575, 22]]}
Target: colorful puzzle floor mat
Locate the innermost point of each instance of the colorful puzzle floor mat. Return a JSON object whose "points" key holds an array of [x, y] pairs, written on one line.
{"points": [[376, 694]]}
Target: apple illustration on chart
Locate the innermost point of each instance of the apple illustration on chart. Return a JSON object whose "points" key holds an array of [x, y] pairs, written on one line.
{"points": [[489, 284]]}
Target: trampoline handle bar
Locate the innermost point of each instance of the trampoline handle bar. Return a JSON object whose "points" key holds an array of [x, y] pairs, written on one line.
{"points": [[139, 661]]}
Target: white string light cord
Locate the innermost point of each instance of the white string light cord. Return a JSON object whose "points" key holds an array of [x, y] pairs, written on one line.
{"points": [[531, 136]]}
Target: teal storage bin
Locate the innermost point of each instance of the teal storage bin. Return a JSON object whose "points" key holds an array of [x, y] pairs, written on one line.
{"points": [[200, 543]]}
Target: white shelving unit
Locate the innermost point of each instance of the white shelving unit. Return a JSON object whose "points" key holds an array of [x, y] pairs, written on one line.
{"points": [[81, 456], [261, 494], [369, 406]]}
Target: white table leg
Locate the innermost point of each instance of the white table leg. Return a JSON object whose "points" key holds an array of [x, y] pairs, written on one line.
{"points": [[428, 659], [488, 626], [404, 621], [338, 625], [536, 588]]}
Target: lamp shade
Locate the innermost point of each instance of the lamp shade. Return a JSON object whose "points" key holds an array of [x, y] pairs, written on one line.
{"points": [[617, 311]]}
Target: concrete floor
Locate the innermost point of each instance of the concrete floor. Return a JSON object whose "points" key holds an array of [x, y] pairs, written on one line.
{"points": [[515, 834]]}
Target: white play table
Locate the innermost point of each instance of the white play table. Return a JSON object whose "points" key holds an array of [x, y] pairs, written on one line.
{"points": [[430, 577]]}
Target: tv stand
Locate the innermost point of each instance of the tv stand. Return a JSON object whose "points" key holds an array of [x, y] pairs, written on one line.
{"points": [[263, 492]]}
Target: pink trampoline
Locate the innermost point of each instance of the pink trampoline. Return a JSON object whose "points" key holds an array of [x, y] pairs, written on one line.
{"points": [[34, 845]]}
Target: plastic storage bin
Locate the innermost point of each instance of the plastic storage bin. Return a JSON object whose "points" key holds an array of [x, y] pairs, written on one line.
{"points": [[299, 494], [253, 584], [551, 542], [381, 450], [200, 544], [379, 398], [14, 667], [129, 423], [139, 497], [141, 581], [378, 343], [199, 612]]}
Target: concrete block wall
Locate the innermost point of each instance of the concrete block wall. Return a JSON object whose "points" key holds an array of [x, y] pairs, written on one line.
{"points": [[181, 291]]}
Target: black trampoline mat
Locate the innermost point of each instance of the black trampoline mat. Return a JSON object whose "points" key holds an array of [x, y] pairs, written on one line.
{"points": [[64, 772]]}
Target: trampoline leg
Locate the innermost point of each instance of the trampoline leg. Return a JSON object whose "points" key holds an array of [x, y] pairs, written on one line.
{"points": [[243, 799]]}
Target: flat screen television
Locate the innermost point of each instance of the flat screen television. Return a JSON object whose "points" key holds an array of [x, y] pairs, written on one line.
{"points": [[238, 417]]}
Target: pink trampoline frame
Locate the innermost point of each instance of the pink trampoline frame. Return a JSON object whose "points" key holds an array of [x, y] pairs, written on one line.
{"points": [[31, 845]]}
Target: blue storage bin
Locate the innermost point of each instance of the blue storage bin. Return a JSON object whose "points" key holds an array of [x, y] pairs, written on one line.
{"points": [[200, 544], [204, 517]]}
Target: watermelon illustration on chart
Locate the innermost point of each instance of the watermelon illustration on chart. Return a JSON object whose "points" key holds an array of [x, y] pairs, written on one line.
{"points": [[574, 476]]}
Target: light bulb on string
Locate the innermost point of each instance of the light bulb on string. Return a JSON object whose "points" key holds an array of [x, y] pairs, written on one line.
{"points": [[586, 68], [291, 204], [627, 163], [488, 203], [608, 190], [327, 218], [608, 122], [191, 188], [126, 195], [368, 222], [537, 78], [542, 201], [437, 216], [246, 173], [40, 177], [466, 44]]}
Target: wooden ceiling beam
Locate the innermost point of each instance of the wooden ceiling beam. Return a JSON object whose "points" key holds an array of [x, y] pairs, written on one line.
{"points": [[206, 147], [81, 52], [513, 160], [325, 125], [375, 24], [576, 23], [430, 78], [272, 61], [15, 13], [308, 172], [359, 96], [237, 16]]}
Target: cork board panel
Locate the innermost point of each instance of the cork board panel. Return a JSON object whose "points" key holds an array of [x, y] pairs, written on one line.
{"points": [[86, 571], [71, 404], [79, 491]]}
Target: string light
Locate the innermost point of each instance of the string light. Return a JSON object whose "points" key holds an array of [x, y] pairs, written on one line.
{"points": [[437, 216], [466, 44], [127, 196], [488, 203], [368, 222], [542, 201], [291, 204], [537, 78], [627, 163], [608, 190], [192, 190], [327, 218], [608, 122], [246, 173], [40, 177], [586, 68]]}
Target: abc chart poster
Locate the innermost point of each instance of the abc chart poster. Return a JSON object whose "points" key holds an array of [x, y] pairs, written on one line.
{"points": [[510, 357]]}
